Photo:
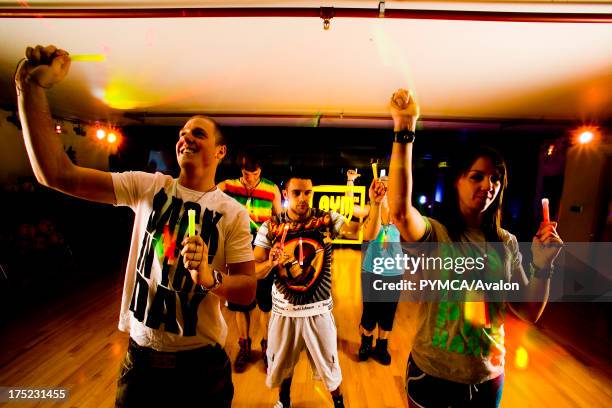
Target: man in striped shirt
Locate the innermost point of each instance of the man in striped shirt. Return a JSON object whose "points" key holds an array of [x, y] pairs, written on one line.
{"points": [[262, 199]]}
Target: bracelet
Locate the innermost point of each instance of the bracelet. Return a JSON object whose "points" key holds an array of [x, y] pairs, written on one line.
{"points": [[542, 273], [404, 136]]}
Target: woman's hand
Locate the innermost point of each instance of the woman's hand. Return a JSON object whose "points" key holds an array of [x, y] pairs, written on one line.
{"points": [[404, 110], [546, 245], [377, 191]]}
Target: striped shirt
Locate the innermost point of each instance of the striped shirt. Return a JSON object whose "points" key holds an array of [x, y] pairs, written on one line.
{"points": [[258, 202]]}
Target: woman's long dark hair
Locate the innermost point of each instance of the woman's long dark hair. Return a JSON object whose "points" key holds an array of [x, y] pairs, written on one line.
{"points": [[451, 216]]}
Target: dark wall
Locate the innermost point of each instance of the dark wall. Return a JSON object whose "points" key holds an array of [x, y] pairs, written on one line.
{"points": [[327, 153]]}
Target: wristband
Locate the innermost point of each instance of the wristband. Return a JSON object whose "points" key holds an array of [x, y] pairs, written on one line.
{"points": [[404, 136], [542, 273]]}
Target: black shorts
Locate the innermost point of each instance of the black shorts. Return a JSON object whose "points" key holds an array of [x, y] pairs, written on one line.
{"points": [[425, 390], [263, 297], [181, 379], [378, 307]]}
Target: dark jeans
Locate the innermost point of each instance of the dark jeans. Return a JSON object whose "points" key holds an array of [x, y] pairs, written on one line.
{"points": [[426, 391], [194, 378]]}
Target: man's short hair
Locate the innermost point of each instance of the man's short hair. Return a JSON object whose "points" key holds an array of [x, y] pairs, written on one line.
{"points": [[249, 161], [219, 137], [297, 172]]}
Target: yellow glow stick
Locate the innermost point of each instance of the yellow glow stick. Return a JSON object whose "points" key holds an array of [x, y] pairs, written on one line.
{"points": [[375, 171], [191, 215], [88, 57]]}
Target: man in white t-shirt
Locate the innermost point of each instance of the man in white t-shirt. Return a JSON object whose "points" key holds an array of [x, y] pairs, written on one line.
{"points": [[297, 245], [174, 282]]}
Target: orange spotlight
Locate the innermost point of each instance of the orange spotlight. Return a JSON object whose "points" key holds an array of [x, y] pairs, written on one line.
{"points": [[522, 358], [111, 138], [586, 137], [100, 134]]}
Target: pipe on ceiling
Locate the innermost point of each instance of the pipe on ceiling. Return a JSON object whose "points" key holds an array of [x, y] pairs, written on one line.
{"points": [[320, 12]]}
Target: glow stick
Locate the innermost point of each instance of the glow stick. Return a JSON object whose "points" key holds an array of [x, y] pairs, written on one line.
{"points": [[191, 215], [374, 170], [545, 211], [301, 252], [285, 229], [88, 57], [477, 313]]}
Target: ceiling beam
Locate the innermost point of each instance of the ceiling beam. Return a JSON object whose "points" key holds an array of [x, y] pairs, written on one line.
{"points": [[315, 12]]}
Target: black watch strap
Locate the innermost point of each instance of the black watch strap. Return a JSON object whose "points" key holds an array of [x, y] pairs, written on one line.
{"points": [[404, 136]]}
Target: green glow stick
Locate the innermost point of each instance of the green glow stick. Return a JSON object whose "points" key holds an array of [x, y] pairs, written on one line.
{"points": [[191, 215]]}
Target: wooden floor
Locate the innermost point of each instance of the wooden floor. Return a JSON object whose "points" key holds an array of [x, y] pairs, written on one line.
{"points": [[74, 343]]}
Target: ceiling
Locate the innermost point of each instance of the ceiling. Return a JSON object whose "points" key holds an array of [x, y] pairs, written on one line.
{"points": [[290, 71]]}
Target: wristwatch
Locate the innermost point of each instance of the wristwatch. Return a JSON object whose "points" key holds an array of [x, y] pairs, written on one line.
{"points": [[217, 280], [404, 136]]}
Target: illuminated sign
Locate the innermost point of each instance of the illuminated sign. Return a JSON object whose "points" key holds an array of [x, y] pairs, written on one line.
{"points": [[335, 198]]}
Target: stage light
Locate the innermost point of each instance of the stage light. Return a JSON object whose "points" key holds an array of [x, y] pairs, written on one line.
{"points": [[586, 137], [79, 130], [58, 128], [100, 134], [422, 199], [550, 150], [522, 358], [111, 138]]}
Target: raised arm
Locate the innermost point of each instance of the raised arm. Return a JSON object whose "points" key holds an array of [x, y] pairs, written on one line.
{"points": [[545, 248], [42, 69], [371, 226], [408, 220]]}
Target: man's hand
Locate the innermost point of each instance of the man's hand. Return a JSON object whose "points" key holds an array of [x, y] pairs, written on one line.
{"points": [[404, 110], [277, 256], [352, 175], [45, 66], [195, 259], [377, 191], [546, 245]]}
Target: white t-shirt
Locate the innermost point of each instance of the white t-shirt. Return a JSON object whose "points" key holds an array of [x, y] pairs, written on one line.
{"points": [[161, 307], [302, 287]]}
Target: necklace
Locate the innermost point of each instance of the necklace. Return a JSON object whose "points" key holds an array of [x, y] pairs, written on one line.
{"points": [[249, 191], [214, 187]]}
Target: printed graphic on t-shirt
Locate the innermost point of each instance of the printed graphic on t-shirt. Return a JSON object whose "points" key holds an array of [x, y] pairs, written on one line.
{"points": [[166, 228], [305, 277]]}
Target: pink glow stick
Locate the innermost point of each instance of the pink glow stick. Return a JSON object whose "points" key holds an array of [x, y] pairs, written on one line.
{"points": [[285, 229], [301, 252], [545, 211]]}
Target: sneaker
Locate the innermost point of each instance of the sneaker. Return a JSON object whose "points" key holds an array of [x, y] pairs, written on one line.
{"points": [[338, 401], [244, 355], [366, 347], [381, 354], [264, 352]]}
